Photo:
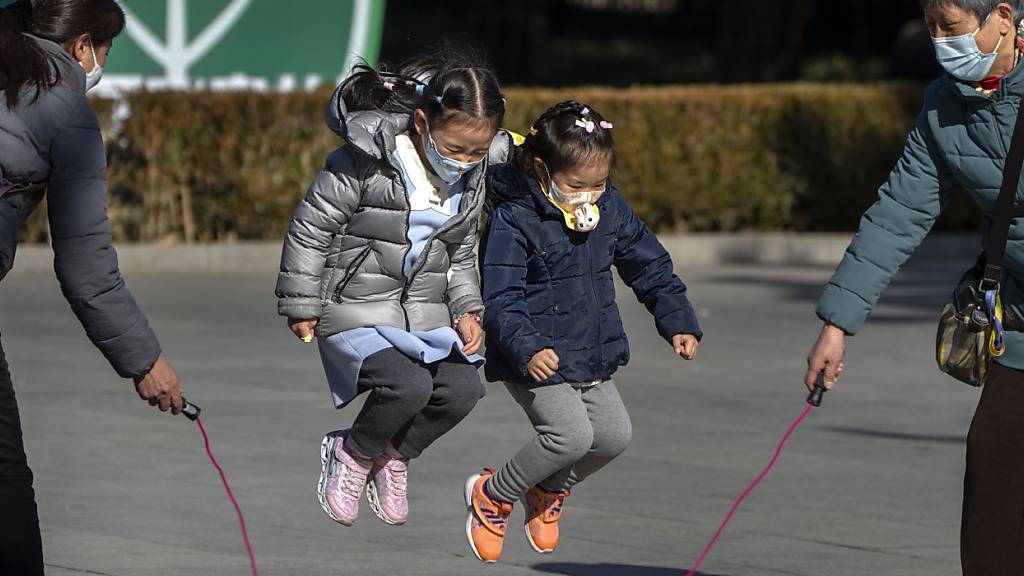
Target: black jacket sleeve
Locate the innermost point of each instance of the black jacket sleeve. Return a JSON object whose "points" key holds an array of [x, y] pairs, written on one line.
{"points": [[84, 259]]}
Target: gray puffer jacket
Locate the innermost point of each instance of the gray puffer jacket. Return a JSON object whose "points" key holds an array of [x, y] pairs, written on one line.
{"points": [[345, 250], [51, 144]]}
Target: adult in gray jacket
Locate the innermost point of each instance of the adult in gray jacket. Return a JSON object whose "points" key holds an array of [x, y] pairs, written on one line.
{"points": [[51, 52]]}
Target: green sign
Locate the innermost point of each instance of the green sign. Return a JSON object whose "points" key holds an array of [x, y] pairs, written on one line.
{"points": [[243, 44]]}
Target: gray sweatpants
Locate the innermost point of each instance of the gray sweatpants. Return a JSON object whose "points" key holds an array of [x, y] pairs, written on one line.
{"points": [[580, 429]]}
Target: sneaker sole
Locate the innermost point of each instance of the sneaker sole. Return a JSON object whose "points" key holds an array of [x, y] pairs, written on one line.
{"points": [[529, 538], [326, 455], [468, 496], [378, 510]]}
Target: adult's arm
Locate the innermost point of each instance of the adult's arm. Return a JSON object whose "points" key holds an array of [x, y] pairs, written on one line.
{"points": [[909, 203], [84, 259]]}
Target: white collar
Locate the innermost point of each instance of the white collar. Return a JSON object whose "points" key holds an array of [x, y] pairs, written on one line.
{"points": [[416, 173]]}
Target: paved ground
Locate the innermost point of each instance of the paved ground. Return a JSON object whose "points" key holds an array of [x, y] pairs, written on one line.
{"points": [[871, 485]]}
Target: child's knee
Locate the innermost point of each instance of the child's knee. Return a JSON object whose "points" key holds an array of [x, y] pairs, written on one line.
{"points": [[568, 441], [464, 399], [415, 392], [610, 442], [460, 397]]}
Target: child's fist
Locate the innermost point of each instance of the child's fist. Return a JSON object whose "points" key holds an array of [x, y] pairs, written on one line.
{"points": [[471, 333], [543, 365], [302, 328], [685, 345]]}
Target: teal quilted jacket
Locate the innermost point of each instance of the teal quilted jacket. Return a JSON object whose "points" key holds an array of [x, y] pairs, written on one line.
{"points": [[960, 142]]}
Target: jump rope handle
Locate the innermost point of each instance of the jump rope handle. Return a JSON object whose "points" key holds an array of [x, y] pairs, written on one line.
{"points": [[819, 391], [190, 410]]}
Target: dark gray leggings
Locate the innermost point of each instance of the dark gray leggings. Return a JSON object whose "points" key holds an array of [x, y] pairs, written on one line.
{"points": [[579, 431], [411, 404]]}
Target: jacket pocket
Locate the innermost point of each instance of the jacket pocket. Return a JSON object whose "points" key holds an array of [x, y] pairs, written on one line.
{"points": [[350, 273]]}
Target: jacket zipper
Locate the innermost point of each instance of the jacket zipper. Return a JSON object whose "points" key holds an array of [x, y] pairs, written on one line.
{"points": [[421, 259], [597, 311], [350, 273]]}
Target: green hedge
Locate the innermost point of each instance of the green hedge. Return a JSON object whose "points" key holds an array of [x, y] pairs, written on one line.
{"points": [[221, 166]]}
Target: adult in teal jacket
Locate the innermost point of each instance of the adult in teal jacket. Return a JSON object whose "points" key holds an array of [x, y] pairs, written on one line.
{"points": [[960, 142]]}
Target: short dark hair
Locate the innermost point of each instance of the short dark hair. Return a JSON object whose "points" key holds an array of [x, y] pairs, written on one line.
{"points": [[560, 142], [446, 85]]}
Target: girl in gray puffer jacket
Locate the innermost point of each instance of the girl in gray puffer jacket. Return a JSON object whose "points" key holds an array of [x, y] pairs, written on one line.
{"points": [[379, 265]]}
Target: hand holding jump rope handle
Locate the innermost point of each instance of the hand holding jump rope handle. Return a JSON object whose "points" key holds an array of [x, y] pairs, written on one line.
{"points": [[189, 410], [818, 393]]}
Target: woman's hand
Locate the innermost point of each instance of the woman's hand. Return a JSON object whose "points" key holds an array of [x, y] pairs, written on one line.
{"points": [[685, 345], [302, 328], [161, 387], [471, 333], [543, 365], [826, 355]]}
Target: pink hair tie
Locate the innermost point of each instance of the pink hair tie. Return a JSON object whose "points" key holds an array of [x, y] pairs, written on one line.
{"points": [[587, 125], [585, 111], [606, 125], [389, 85]]}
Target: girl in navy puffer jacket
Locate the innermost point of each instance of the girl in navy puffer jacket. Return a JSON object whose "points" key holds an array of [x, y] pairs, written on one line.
{"points": [[554, 335]]}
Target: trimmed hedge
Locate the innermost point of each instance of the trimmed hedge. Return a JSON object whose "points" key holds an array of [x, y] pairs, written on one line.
{"points": [[222, 166]]}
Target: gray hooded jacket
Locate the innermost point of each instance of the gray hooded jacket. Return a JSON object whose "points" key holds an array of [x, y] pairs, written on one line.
{"points": [[51, 144], [345, 250]]}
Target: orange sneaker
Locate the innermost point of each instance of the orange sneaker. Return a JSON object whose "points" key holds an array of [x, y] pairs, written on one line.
{"points": [[543, 509], [486, 520]]}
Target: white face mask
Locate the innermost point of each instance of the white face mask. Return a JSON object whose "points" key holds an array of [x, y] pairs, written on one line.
{"points": [[92, 77], [570, 199], [961, 57], [578, 208]]}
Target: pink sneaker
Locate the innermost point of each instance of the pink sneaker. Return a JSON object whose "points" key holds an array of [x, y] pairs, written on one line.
{"points": [[342, 479], [387, 489]]}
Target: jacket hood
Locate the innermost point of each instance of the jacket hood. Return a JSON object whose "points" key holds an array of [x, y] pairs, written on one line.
{"points": [[71, 72], [507, 183], [372, 132], [22, 163]]}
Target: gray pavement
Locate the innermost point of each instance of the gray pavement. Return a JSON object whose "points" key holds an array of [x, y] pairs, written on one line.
{"points": [[870, 485]]}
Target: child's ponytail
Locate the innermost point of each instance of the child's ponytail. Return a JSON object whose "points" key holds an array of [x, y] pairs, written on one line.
{"points": [[371, 89], [445, 86], [569, 133]]}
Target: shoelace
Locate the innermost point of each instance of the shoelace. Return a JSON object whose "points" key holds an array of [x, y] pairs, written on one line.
{"points": [[398, 481], [352, 480]]}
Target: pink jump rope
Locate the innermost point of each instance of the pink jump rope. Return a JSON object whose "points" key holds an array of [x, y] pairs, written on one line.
{"points": [[813, 401], [191, 411]]}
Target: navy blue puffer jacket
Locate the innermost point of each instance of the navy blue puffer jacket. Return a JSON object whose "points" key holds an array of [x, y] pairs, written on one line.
{"points": [[545, 286]]}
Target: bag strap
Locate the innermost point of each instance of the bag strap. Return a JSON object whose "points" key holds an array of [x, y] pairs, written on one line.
{"points": [[1001, 217]]}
